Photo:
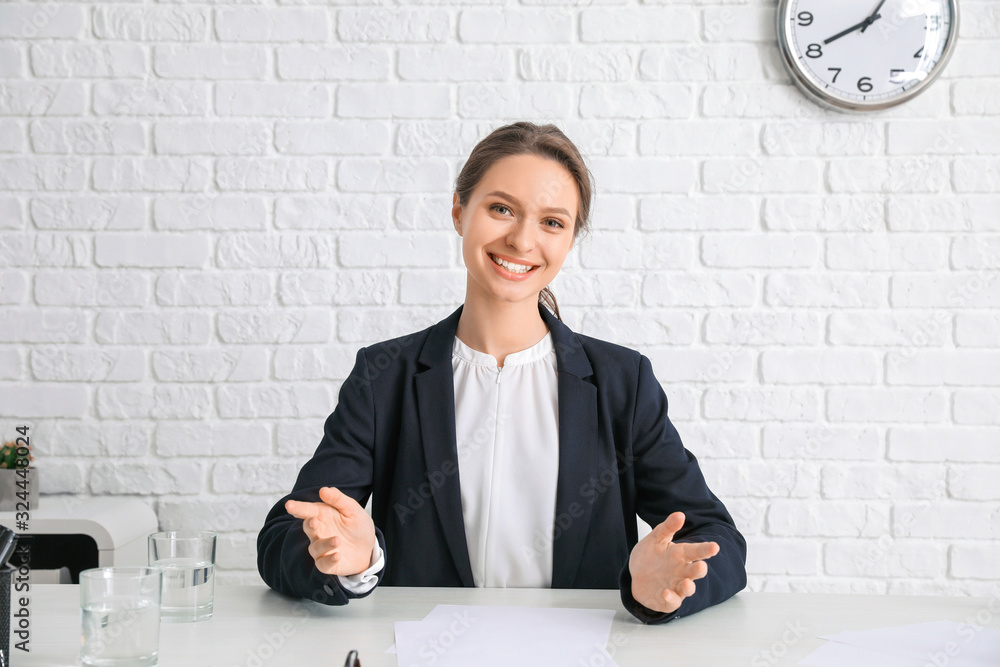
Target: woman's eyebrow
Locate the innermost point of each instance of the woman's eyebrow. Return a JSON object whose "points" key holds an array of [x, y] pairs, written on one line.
{"points": [[517, 202]]}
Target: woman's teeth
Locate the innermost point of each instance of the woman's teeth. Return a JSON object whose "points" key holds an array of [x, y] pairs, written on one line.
{"points": [[510, 266]]}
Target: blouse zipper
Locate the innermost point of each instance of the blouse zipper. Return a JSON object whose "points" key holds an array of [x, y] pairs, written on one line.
{"points": [[499, 370]]}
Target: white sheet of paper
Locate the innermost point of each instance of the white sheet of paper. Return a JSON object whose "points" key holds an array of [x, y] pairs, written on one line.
{"points": [[501, 636], [916, 645], [833, 654], [934, 642]]}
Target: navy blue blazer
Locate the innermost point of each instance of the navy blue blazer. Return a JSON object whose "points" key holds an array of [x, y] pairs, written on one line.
{"points": [[392, 437]]}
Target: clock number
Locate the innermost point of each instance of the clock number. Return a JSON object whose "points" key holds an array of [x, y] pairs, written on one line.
{"points": [[814, 51], [933, 22], [919, 52], [865, 84], [834, 69], [804, 18], [894, 75]]}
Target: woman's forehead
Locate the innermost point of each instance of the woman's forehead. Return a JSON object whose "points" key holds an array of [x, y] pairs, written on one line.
{"points": [[545, 182]]}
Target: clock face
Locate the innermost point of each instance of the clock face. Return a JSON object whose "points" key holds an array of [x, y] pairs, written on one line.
{"points": [[866, 54]]}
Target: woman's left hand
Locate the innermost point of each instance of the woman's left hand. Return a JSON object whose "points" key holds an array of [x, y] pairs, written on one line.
{"points": [[663, 571]]}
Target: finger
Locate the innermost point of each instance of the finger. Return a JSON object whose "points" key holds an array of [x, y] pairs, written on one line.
{"points": [[338, 500], [696, 570], [680, 589], [321, 548], [309, 528], [315, 529], [671, 600], [664, 532], [685, 588], [302, 510], [329, 564], [692, 551]]}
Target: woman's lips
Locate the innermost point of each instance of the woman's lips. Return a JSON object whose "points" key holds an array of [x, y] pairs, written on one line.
{"points": [[510, 275]]}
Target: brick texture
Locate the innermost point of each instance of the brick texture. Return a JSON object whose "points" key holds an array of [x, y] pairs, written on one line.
{"points": [[207, 208]]}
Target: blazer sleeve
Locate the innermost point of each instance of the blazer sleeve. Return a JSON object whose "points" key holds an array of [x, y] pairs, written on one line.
{"points": [[344, 459], [668, 479]]}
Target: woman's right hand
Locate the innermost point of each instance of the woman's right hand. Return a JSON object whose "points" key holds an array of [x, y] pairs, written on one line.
{"points": [[341, 534]]}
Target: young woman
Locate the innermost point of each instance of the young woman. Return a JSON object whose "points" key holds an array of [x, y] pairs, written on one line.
{"points": [[500, 448]]}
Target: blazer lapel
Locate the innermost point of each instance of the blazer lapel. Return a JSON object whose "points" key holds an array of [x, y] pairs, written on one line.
{"points": [[435, 389], [578, 451]]}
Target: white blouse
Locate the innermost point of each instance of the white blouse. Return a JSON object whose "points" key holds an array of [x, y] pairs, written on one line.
{"points": [[507, 434]]}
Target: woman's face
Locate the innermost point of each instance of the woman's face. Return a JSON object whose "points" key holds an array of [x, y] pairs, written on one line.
{"points": [[522, 212]]}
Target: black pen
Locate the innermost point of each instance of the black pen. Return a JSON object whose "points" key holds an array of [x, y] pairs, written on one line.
{"points": [[352, 660]]}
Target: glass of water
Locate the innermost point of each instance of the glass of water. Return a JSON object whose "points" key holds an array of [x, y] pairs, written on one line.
{"points": [[121, 616], [187, 560]]}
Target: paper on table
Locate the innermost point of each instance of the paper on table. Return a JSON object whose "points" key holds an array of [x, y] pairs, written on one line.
{"points": [[488, 636], [916, 645], [833, 654], [957, 644]]}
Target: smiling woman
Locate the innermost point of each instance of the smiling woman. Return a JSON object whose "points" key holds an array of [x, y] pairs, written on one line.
{"points": [[500, 448], [560, 183], [517, 226]]}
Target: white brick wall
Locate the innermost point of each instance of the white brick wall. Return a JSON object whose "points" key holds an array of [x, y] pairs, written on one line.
{"points": [[206, 208]]}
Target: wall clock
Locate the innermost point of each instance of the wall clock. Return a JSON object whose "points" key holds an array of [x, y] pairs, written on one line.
{"points": [[865, 55]]}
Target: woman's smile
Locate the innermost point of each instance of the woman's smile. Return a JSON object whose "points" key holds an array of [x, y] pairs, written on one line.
{"points": [[510, 269]]}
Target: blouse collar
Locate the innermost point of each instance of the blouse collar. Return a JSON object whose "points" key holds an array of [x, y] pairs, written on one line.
{"points": [[525, 356], [438, 342]]}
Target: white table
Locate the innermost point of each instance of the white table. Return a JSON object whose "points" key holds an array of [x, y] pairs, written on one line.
{"points": [[254, 626]]}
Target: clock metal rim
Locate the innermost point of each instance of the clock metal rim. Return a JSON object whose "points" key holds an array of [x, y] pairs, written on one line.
{"points": [[825, 99]]}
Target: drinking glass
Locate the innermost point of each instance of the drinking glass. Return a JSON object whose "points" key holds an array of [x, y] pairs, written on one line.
{"points": [[187, 560], [121, 616]]}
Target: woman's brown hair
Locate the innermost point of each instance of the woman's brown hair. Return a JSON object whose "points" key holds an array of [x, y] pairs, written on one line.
{"points": [[524, 138]]}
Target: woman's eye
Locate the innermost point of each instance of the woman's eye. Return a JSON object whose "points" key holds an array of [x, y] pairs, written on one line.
{"points": [[504, 210]]}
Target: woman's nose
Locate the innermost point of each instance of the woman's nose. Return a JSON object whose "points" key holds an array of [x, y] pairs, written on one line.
{"points": [[522, 236]]}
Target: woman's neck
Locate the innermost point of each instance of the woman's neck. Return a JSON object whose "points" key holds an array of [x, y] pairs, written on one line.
{"points": [[500, 328]]}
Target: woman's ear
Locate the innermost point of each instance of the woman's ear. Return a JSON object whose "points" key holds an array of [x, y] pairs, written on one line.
{"points": [[456, 214]]}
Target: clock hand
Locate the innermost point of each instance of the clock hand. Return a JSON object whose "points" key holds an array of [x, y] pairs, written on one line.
{"points": [[863, 24], [860, 26], [874, 15]]}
